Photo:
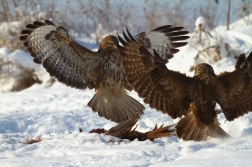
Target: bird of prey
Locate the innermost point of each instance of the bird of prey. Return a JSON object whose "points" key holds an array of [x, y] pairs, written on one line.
{"points": [[81, 68], [193, 98], [124, 131]]}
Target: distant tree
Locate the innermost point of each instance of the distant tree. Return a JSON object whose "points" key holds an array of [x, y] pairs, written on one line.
{"points": [[228, 14]]}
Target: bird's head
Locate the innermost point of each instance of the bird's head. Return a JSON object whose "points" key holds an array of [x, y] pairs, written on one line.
{"points": [[204, 68], [206, 74], [109, 42]]}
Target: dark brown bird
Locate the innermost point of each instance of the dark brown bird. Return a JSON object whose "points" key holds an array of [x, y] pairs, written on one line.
{"points": [[81, 68], [124, 131], [195, 97]]}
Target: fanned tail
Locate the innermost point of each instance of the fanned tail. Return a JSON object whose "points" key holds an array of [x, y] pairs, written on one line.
{"points": [[191, 128], [116, 107], [216, 131]]}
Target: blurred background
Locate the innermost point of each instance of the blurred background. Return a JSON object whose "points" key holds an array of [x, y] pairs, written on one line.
{"points": [[96, 18], [212, 25]]}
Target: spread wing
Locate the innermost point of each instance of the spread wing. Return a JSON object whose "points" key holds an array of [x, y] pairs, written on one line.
{"points": [[164, 40], [166, 90], [236, 89], [63, 58], [177, 89]]}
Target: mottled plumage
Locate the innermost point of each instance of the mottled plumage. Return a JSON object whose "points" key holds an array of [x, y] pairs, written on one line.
{"points": [[81, 68], [195, 97], [164, 40], [78, 67]]}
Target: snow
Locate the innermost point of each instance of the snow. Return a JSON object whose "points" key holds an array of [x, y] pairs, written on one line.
{"points": [[56, 113]]}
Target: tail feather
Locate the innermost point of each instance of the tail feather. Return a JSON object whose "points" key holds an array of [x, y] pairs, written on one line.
{"points": [[186, 132], [117, 107], [216, 131], [108, 113], [96, 105], [117, 115], [183, 126], [102, 109], [202, 134], [191, 128], [195, 134], [122, 129]]}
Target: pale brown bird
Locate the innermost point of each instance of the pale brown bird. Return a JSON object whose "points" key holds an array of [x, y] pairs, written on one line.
{"points": [[81, 68], [195, 97]]}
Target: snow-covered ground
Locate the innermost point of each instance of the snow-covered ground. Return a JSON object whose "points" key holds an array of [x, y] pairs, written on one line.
{"points": [[56, 113]]}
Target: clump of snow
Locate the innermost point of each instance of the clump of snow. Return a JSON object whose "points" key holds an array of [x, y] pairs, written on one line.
{"points": [[200, 23]]}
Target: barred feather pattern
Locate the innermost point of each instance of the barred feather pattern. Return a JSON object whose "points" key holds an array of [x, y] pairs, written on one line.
{"points": [[192, 128], [81, 68], [238, 103], [236, 89], [173, 93], [62, 57], [140, 72], [164, 40]]}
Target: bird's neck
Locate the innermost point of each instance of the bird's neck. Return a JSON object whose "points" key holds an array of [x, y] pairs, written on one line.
{"points": [[207, 79]]}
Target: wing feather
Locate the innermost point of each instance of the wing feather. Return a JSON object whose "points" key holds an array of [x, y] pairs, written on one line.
{"points": [[236, 89], [152, 81], [164, 40], [62, 57]]}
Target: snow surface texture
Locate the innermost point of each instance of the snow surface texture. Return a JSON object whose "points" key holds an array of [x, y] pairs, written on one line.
{"points": [[56, 113]]}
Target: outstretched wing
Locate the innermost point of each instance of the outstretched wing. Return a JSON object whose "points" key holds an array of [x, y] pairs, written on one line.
{"points": [[166, 90], [164, 40], [235, 89], [63, 58], [177, 89]]}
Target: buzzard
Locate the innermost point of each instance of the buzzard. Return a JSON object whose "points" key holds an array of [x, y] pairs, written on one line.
{"points": [[76, 66], [193, 98], [124, 131]]}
